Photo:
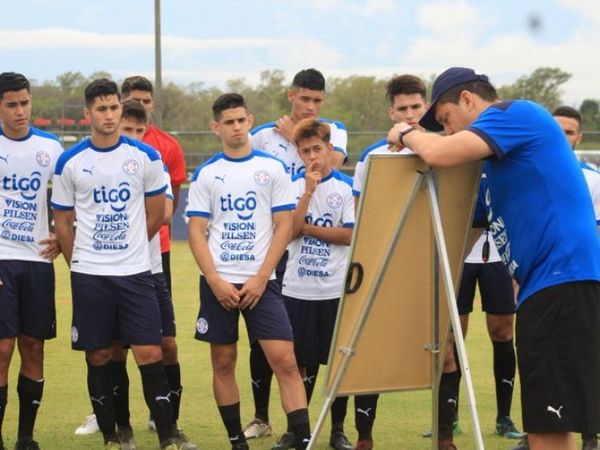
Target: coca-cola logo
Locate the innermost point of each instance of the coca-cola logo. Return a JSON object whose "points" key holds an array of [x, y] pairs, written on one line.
{"points": [[16, 225]]}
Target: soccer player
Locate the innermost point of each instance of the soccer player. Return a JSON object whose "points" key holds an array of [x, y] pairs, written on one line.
{"points": [[115, 186], [569, 120], [314, 276], [27, 249], [306, 97], [140, 88], [134, 121], [239, 207], [542, 222]]}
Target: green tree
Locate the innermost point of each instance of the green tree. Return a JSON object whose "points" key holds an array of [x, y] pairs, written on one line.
{"points": [[590, 114], [542, 86]]}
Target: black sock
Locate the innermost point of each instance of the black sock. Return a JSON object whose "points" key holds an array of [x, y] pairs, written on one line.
{"points": [[30, 396], [364, 415], [3, 402], [158, 398], [310, 380], [173, 373], [338, 413], [230, 414], [261, 376], [121, 392], [100, 385], [458, 378], [298, 424], [447, 404], [504, 373]]}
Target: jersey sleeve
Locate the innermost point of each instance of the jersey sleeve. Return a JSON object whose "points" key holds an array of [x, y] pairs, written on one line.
{"points": [[339, 138], [348, 211], [63, 189], [154, 177], [359, 177], [167, 180], [198, 197], [283, 196], [511, 125]]}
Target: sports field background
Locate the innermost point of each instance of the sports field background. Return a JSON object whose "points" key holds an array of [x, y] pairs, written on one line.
{"points": [[401, 416]]}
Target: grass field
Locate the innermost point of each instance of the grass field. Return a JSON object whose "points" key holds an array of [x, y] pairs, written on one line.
{"points": [[400, 420]]}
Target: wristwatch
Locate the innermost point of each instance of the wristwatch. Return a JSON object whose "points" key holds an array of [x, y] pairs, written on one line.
{"points": [[404, 133]]}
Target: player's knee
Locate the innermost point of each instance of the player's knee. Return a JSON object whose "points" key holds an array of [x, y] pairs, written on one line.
{"points": [[284, 363], [169, 350], [99, 357], [223, 363], [500, 328], [30, 348], [7, 347]]}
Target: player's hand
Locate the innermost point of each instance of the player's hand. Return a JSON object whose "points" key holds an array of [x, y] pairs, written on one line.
{"points": [[312, 178], [52, 249], [227, 294], [252, 291], [285, 127], [393, 137]]}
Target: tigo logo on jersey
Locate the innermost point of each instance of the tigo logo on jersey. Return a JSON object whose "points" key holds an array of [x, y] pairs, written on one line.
{"points": [[28, 186], [117, 198], [325, 221], [243, 206], [42, 158]]}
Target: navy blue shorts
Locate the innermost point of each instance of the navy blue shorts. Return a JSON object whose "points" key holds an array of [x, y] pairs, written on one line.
{"points": [[268, 320], [165, 305], [558, 352], [313, 322], [107, 308], [495, 287], [27, 299]]}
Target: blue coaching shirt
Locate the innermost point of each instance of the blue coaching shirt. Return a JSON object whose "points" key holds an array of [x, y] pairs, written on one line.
{"points": [[538, 204]]}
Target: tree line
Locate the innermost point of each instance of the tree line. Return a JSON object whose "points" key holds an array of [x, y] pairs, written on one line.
{"points": [[358, 101]]}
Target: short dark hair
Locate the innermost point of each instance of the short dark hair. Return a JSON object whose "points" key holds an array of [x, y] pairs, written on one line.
{"points": [[307, 128], [405, 84], [227, 101], [136, 83], [102, 87], [483, 89], [12, 81], [567, 111], [309, 79], [132, 109]]}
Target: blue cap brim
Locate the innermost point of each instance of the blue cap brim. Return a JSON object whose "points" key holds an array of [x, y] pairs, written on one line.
{"points": [[428, 120]]}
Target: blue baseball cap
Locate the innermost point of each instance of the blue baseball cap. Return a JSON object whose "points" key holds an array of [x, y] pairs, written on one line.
{"points": [[452, 77]]}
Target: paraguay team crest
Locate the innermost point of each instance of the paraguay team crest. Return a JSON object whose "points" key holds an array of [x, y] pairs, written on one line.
{"points": [[334, 200], [202, 325], [131, 167], [74, 334], [42, 158], [261, 177]]}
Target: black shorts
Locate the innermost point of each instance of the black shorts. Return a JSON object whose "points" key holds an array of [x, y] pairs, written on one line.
{"points": [[267, 320], [27, 299], [165, 305], [313, 322], [107, 308], [495, 287], [558, 352]]}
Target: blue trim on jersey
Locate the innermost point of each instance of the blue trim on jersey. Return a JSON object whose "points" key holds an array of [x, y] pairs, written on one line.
{"points": [[342, 177], [44, 134], [150, 151], [170, 197], [337, 123], [211, 160], [248, 157], [355, 193], [370, 148], [156, 192], [24, 138], [348, 225], [198, 214], [339, 149], [262, 154], [586, 166], [107, 149], [61, 207], [488, 140], [70, 153], [253, 131], [288, 207]]}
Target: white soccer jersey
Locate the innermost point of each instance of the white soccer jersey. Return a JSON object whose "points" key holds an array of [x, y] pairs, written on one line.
{"points": [[592, 178], [155, 254], [107, 187], [239, 197], [360, 171], [316, 269], [266, 139], [26, 166]]}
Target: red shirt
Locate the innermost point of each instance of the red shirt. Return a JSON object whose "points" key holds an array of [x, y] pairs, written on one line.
{"points": [[172, 156]]}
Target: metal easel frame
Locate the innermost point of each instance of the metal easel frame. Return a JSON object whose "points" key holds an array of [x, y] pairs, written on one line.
{"points": [[442, 264]]}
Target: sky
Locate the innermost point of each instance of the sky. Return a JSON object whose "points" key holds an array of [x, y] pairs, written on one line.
{"points": [[211, 42]]}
